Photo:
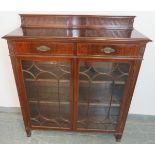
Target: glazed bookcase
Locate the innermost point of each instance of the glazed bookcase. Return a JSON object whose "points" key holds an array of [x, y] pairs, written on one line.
{"points": [[76, 72]]}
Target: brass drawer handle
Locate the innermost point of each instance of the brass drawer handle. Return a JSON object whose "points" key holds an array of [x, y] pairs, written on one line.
{"points": [[43, 48], [107, 50]]}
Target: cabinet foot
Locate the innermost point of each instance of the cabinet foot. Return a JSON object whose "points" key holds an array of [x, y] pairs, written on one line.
{"points": [[28, 132], [118, 137]]}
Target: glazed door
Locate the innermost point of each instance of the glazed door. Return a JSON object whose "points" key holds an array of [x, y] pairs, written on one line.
{"points": [[102, 84], [48, 91]]}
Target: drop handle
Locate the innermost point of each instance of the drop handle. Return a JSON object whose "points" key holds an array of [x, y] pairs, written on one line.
{"points": [[43, 48], [107, 50]]}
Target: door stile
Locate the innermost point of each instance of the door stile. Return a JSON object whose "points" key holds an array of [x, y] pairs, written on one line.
{"points": [[21, 93], [76, 83], [72, 94]]}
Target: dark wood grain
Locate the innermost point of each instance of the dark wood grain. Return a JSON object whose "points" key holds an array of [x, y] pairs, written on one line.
{"points": [[120, 49], [54, 48], [78, 41], [77, 21]]}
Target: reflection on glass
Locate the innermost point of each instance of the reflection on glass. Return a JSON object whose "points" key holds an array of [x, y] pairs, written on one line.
{"points": [[101, 87], [48, 92]]}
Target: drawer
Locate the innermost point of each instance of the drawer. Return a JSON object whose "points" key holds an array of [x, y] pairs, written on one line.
{"points": [[43, 48], [101, 49]]}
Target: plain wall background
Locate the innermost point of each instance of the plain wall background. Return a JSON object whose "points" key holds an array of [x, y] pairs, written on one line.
{"points": [[143, 101]]}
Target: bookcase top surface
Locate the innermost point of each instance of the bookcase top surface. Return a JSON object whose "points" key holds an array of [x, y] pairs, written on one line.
{"points": [[77, 27]]}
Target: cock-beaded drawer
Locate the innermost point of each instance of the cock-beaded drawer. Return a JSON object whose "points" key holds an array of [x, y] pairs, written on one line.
{"points": [[43, 48], [101, 49]]}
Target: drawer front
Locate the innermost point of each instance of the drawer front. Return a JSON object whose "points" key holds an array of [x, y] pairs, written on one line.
{"points": [[43, 48], [101, 49]]}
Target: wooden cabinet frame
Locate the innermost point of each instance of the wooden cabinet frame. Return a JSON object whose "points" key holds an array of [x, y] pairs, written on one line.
{"points": [[102, 41]]}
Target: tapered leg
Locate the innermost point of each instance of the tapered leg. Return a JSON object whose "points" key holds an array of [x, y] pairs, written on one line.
{"points": [[28, 132], [118, 137]]}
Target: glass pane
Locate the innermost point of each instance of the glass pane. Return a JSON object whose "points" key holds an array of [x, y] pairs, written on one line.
{"points": [[48, 92], [101, 88]]}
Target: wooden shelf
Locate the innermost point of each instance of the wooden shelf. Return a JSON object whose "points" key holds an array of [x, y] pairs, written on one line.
{"points": [[65, 103], [68, 81]]}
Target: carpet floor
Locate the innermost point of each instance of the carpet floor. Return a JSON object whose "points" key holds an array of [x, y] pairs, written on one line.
{"points": [[139, 129]]}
